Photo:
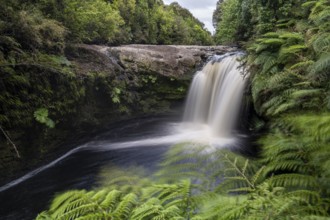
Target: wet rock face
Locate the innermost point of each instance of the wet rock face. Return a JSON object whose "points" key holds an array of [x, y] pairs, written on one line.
{"points": [[167, 60]]}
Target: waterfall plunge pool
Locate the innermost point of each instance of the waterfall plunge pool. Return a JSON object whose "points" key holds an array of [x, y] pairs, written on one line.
{"points": [[210, 115]]}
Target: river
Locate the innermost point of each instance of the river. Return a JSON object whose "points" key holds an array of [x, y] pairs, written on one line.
{"points": [[80, 169], [210, 117]]}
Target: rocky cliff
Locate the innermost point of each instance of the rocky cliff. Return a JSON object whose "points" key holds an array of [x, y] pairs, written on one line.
{"points": [[167, 60]]}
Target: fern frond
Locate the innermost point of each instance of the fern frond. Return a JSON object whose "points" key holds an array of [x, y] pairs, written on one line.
{"points": [[111, 199], [43, 216], [267, 106], [309, 196], [321, 68], [60, 202], [302, 66], [285, 107], [259, 83], [321, 43], [303, 93], [287, 165], [323, 16], [309, 4], [125, 207], [272, 42], [279, 81], [293, 180], [271, 35], [292, 38], [223, 207], [290, 52], [257, 175]]}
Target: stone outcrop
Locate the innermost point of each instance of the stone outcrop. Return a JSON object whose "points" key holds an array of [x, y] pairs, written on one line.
{"points": [[167, 60]]}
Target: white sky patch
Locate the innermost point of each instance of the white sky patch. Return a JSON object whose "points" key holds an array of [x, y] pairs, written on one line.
{"points": [[203, 10]]}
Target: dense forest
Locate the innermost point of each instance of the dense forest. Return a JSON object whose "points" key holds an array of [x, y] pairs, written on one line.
{"points": [[287, 46]]}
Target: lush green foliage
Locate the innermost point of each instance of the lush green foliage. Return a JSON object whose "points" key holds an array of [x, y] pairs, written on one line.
{"points": [[102, 22], [288, 49], [288, 58], [191, 184]]}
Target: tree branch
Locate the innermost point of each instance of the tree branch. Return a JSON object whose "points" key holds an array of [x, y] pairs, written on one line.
{"points": [[10, 141]]}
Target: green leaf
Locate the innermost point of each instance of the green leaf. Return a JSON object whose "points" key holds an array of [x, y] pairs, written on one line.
{"points": [[41, 115]]}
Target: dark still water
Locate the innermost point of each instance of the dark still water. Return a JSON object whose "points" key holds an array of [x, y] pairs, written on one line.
{"points": [[130, 143]]}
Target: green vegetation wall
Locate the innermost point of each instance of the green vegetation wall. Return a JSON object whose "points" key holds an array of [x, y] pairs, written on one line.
{"points": [[288, 52], [113, 22], [288, 57]]}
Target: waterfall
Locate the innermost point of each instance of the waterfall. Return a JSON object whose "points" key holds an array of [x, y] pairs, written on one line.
{"points": [[215, 96]]}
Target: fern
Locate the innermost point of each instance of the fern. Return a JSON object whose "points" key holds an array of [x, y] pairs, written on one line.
{"points": [[320, 69], [125, 207], [309, 4], [239, 174], [290, 52], [296, 148], [292, 38], [271, 35], [90, 205], [153, 209], [268, 61], [301, 67], [321, 43], [271, 42]]}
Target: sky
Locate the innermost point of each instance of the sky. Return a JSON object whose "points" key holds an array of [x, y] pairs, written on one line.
{"points": [[201, 9]]}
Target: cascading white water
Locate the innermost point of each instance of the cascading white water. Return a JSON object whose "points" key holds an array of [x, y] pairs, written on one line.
{"points": [[215, 96]]}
